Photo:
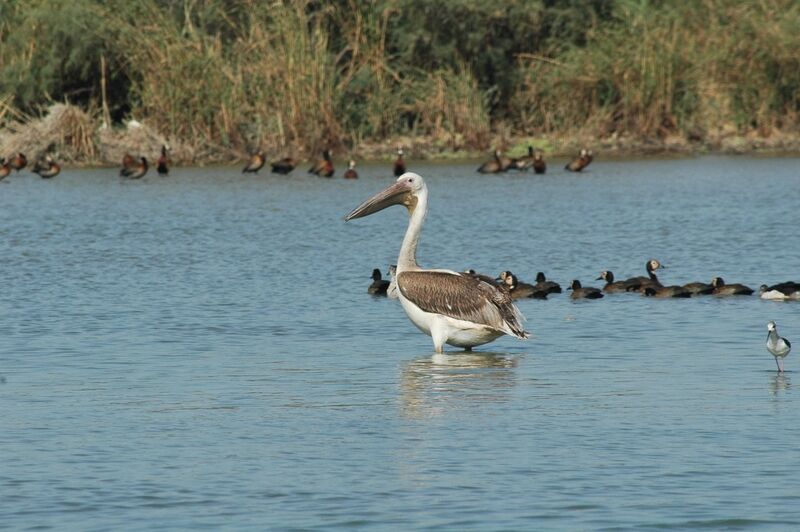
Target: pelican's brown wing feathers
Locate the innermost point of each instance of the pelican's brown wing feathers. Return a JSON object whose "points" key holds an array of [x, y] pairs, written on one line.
{"points": [[463, 297]]}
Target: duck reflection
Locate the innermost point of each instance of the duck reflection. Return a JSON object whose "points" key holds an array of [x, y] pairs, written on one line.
{"points": [[438, 384]]}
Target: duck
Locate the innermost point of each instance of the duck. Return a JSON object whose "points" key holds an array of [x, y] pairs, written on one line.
{"points": [[722, 289], [520, 290], [652, 287], [579, 163], [379, 285], [136, 171], [699, 289], [506, 163], [539, 166], [665, 291], [589, 158], [583, 292], [162, 165], [493, 165], [526, 161], [767, 292], [612, 287], [255, 163], [128, 160], [485, 278], [780, 291], [283, 166], [777, 346], [551, 287], [639, 283], [351, 173], [18, 162], [47, 168], [323, 167], [5, 169], [399, 163]]}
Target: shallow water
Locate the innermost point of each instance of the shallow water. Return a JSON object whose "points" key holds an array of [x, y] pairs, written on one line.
{"points": [[200, 352]]}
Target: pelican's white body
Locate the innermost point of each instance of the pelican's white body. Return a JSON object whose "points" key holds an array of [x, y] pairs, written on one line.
{"points": [[446, 330]]}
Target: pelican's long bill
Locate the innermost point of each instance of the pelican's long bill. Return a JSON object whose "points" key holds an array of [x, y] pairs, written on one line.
{"points": [[399, 193]]}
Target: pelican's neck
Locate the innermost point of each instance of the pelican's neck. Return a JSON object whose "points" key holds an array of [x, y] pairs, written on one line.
{"points": [[408, 251]]}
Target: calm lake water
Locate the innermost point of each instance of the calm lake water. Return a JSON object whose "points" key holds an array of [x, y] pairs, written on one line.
{"points": [[200, 352]]}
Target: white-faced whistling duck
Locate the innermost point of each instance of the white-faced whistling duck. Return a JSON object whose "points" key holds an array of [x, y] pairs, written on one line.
{"points": [[163, 162], [699, 289], [578, 163], [136, 171], [666, 291], [581, 292], [652, 287], [351, 173], [47, 168], [526, 161], [612, 287], [551, 287], [284, 166], [485, 278], [539, 166], [323, 167], [5, 169], [520, 290], [255, 164], [493, 165], [128, 161], [399, 163], [18, 162], [640, 283], [379, 285], [506, 163], [736, 289]]}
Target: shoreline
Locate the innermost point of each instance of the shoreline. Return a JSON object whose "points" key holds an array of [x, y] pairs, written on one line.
{"points": [[72, 137]]}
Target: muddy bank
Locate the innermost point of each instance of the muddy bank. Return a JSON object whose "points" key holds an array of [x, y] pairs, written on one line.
{"points": [[72, 136]]}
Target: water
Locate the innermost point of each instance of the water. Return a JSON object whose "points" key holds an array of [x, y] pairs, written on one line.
{"points": [[200, 352]]}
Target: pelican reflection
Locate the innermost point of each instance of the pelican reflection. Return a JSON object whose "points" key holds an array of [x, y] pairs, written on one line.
{"points": [[442, 383]]}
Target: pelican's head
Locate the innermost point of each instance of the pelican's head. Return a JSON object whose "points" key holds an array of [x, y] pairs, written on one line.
{"points": [[771, 326], [404, 191]]}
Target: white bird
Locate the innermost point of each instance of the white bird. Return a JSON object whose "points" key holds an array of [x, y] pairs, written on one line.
{"points": [[779, 347], [451, 307]]}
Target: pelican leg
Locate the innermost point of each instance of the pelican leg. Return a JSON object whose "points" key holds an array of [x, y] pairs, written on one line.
{"points": [[438, 334]]}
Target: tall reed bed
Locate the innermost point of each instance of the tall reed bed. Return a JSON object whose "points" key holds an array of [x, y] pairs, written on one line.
{"points": [[294, 76], [663, 68]]}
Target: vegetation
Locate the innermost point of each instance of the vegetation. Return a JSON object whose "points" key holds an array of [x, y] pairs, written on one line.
{"points": [[228, 76]]}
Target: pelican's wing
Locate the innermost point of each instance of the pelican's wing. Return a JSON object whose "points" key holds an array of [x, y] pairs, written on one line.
{"points": [[463, 297]]}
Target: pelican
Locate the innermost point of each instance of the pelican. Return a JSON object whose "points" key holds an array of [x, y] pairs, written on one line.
{"points": [[779, 347], [451, 307]]}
